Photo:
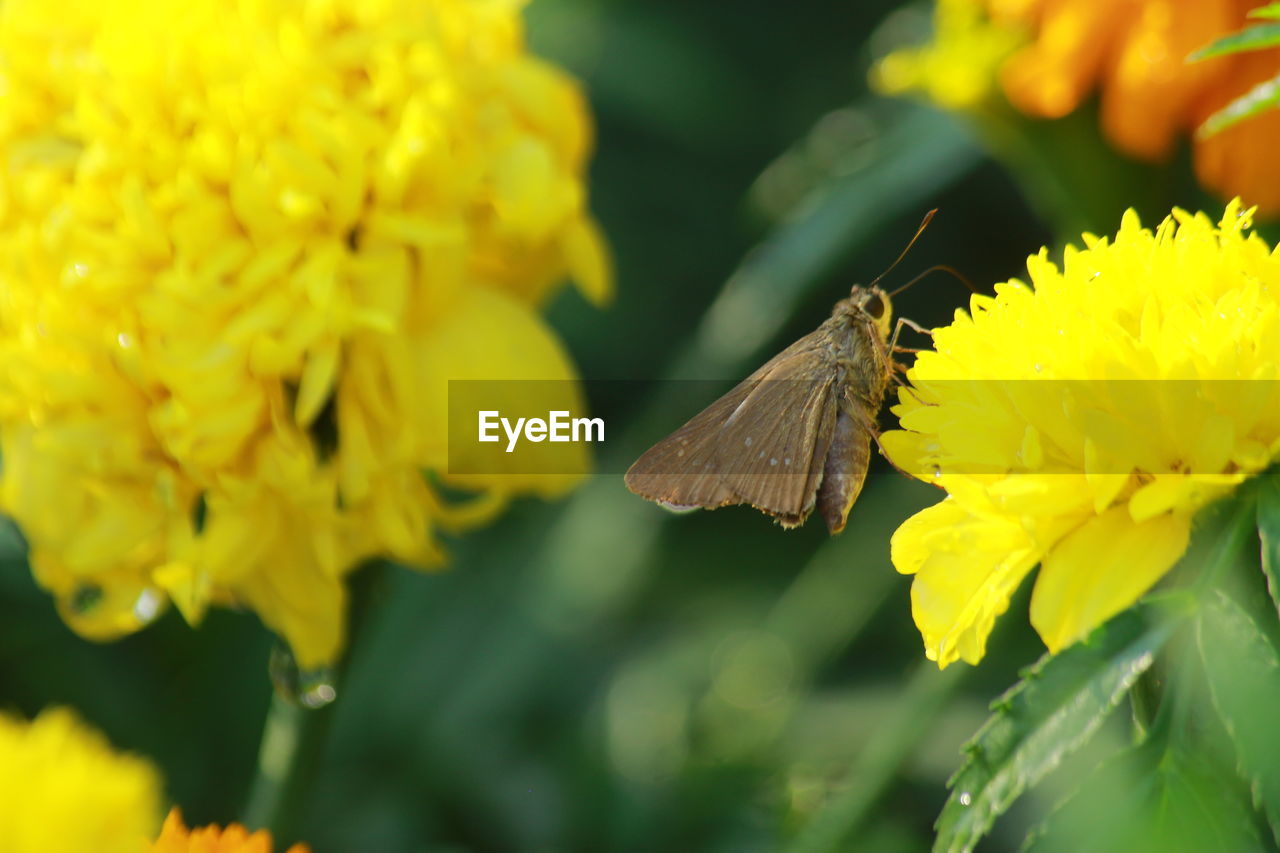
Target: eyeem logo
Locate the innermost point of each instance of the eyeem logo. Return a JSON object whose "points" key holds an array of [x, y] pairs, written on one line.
{"points": [[558, 427]]}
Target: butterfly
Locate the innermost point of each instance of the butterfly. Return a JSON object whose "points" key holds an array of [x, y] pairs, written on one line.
{"points": [[794, 436]]}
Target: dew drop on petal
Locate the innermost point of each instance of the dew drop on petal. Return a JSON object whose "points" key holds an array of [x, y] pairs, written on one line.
{"points": [[965, 798], [147, 606], [317, 688], [309, 688]]}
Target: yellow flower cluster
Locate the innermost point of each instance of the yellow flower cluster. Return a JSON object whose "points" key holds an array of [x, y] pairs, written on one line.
{"points": [[243, 248], [175, 837], [957, 70], [1131, 52], [1081, 421], [63, 789]]}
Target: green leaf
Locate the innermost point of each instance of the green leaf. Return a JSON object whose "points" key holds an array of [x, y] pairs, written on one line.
{"points": [[1269, 532], [1243, 670], [1152, 797], [1261, 97], [1271, 10], [1056, 707], [1250, 38]]}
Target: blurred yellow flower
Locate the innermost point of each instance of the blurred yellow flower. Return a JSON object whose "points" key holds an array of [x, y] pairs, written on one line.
{"points": [[1132, 52], [1081, 424], [64, 790], [240, 244], [958, 69], [176, 838]]}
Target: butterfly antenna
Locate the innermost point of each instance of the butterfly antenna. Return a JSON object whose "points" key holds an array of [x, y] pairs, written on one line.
{"points": [[923, 225], [952, 271]]}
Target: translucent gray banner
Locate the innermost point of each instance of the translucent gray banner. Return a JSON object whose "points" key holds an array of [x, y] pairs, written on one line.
{"points": [[1113, 426]]}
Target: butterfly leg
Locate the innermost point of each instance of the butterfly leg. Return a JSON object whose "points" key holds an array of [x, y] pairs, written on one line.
{"points": [[873, 429], [897, 330], [860, 411]]}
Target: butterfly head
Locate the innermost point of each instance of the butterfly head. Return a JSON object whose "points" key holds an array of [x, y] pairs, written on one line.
{"points": [[874, 303]]}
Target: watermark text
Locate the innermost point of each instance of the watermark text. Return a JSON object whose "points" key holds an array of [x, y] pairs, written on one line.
{"points": [[558, 426]]}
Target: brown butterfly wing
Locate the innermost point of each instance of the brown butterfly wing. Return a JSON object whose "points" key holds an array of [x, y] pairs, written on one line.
{"points": [[773, 451], [681, 471], [763, 443]]}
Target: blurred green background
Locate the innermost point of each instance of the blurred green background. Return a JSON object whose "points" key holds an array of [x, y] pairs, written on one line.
{"points": [[597, 674]]}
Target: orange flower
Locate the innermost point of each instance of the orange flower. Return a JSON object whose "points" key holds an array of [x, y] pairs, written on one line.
{"points": [[176, 838], [1134, 52]]}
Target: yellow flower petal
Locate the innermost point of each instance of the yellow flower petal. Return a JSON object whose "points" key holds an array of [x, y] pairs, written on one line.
{"points": [[491, 337], [966, 569], [957, 70], [231, 236], [1084, 422], [1101, 569], [64, 790], [589, 260]]}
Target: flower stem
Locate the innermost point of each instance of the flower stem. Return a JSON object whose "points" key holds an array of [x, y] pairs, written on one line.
{"points": [[292, 741], [296, 730]]}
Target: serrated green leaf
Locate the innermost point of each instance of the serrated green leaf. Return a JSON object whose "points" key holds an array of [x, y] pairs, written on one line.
{"points": [[1257, 37], [1056, 707], [1271, 10], [1243, 670], [1152, 797], [1269, 532], [1263, 96]]}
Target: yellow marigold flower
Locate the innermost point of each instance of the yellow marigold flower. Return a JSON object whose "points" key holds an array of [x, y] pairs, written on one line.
{"points": [[1080, 421], [176, 838], [958, 69], [64, 790], [243, 248], [1133, 53]]}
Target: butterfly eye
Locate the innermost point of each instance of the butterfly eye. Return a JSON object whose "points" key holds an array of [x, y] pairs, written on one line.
{"points": [[874, 306]]}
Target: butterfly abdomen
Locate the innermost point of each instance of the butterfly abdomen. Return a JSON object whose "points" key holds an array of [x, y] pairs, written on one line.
{"points": [[844, 470]]}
